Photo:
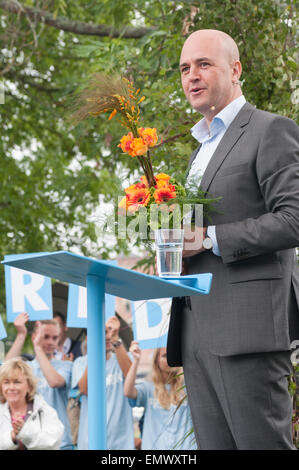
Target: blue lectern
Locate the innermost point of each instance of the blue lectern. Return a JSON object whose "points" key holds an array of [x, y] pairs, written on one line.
{"points": [[99, 277]]}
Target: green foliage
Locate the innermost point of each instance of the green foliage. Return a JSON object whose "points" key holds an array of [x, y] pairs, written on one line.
{"points": [[293, 390], [52, 173]]}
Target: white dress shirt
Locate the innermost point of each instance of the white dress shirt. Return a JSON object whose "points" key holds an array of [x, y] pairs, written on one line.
{"points": [[209, 138]]}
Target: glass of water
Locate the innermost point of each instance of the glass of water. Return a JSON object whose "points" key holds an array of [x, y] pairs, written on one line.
{"points": [[169, 249]]}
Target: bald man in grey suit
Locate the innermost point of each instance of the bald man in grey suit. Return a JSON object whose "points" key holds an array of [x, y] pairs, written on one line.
{"points": [[234, 344]]}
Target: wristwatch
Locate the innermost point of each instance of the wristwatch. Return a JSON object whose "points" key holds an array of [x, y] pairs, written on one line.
{"points": [[207, 243], [117, 343]]}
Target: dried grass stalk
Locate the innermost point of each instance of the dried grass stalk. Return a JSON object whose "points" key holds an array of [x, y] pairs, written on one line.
{"points": [[107, 93]]}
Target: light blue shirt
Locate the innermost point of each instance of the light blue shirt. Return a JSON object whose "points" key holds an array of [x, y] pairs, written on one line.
{"points": [[209, 138], [120, 427], [163, 429], [79, 367], [57, 397]]}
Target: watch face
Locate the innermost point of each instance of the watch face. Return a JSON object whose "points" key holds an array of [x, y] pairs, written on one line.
{"points": [[207, 243]]}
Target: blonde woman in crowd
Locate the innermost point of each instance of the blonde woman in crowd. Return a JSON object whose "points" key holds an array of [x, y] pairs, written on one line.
{"points": [[26, 420], [167, 421]]}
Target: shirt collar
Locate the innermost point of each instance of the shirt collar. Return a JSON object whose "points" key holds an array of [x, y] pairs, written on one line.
{"points": [[222, 120]]}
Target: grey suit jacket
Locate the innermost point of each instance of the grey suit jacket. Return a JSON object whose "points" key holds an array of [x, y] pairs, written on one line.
{"points": [[255, 287]]}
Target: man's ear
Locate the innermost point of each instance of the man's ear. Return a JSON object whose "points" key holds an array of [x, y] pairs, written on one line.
{"points": [[237, 69]]}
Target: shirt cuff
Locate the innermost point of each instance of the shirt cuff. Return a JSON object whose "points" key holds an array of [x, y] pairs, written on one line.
{"points": [[211, 233]]}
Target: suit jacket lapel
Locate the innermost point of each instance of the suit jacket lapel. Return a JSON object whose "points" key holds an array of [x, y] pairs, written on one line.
{"points": [[233, 133]]}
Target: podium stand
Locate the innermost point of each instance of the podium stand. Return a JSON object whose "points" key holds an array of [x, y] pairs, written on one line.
{"points": [[100, 277]]}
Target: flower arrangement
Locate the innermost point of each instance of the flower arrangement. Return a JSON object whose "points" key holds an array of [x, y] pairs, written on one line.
{"points": [[141, 194], [117, 96]]}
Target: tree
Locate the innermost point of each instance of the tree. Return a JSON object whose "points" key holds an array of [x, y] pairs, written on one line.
{"points": [[52, 173]]}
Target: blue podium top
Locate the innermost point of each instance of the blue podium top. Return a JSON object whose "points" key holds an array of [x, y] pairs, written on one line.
{"points": [[121, 282]]}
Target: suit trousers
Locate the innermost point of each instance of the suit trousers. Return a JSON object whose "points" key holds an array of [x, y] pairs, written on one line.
{"points": [[237, 402]]}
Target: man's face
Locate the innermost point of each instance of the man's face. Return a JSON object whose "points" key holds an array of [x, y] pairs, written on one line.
{"points": [[207, 74], [112, 329], [62, 327], [108, 339], [50, 337]]}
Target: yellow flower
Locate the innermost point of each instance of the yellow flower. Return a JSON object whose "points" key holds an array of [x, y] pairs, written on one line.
{"points": [[137, 147], [162, 180], [149, 135], [133, 145], [125, 142], [162, 176]]}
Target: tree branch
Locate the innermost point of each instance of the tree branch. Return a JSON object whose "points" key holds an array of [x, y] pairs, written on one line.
{"points": [[76, 27], [173, 138]]}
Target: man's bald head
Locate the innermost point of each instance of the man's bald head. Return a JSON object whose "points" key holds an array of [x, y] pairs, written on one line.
{"points": [[223, 40]]}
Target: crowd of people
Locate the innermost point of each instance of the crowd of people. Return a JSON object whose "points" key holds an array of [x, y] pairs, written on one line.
{"points": [[44, 398]]}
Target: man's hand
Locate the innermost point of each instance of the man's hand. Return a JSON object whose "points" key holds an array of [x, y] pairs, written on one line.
{"points": [[16, 348], [39, 333], [193, 241], [68, 357], [113, 325], [20, 322], [135, 350]]}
